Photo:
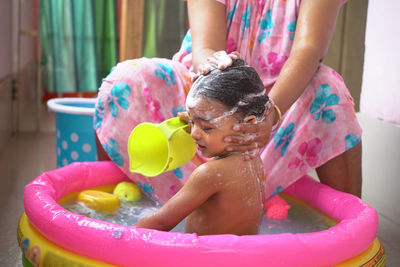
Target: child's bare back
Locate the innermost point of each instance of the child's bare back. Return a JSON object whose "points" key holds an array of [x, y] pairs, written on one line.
{"points": [[237, 206]]}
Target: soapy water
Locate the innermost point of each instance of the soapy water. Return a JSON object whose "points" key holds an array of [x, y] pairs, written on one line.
{"points": [[302, 218], [127, 214]]}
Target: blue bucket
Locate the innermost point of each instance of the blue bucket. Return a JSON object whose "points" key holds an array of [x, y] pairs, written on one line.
{"points": [[74, 129]]}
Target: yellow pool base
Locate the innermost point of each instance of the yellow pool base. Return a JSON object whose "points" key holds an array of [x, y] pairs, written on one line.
{"points": [[374, 255]]}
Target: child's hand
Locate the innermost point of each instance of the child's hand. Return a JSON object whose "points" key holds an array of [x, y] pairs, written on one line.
{"points": [[220, 60], [186, 118], [251, 136]]}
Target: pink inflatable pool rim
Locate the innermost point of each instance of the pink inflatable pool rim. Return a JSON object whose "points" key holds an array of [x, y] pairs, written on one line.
{"points": [[127, 246]]}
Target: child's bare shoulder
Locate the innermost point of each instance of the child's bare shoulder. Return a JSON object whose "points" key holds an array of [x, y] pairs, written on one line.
{"points": [[207, 177], [219, 167], [207, 169]]}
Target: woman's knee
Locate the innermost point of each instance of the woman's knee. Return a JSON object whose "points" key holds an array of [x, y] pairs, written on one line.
{"points": [[344, 172]]}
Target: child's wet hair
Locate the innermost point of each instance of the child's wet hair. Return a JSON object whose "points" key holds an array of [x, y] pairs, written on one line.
{"points": [[238, 86]]}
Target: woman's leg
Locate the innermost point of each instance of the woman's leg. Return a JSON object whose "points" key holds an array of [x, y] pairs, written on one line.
{"points": [[343, 172], [320, 131], [136, 91]]}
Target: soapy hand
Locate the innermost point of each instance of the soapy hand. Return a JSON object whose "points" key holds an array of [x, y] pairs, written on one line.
{"points": [[220, 60], [251, 136]]}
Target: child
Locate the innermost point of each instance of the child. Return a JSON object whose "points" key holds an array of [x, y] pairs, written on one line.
{"points": [[226, 194]]}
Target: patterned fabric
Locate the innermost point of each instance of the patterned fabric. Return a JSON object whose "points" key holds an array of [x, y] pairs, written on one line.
{"points": [[320, 125], [136, 91]]}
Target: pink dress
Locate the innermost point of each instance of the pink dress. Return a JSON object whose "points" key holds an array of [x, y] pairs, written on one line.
{"points": [[320, 125]]}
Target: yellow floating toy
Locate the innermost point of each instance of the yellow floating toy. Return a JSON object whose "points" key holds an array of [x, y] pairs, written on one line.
{"points": [[128, 191], [99, 200]]}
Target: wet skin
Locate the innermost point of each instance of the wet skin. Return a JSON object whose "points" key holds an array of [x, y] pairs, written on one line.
{"points": [[222, 196]]}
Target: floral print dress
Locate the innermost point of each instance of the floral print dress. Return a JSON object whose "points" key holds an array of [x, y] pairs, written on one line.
{"points": [[320, 125]]}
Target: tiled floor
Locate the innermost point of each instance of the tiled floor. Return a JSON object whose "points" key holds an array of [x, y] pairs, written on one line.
{"points": [[23, 159], [25, 156], [29, 154]]}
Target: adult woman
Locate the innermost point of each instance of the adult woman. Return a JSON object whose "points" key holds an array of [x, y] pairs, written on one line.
{"points": [[285, 41]]}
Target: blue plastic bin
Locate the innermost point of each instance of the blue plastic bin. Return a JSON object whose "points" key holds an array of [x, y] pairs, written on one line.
{"points": [[74, 129]]}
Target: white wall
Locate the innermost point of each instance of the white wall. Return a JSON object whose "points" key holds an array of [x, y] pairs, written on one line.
{"points": [[380, 95], [380, 109], [381, 166]]}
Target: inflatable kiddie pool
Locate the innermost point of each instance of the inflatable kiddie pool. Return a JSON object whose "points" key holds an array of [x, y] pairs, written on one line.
{"points": [[49, 235]]}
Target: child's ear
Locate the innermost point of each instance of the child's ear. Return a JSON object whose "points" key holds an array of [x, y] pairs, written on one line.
{"points": [[250, 119]]}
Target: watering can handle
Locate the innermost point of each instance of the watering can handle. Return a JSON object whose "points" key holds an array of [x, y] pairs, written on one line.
{"points": [[169, 127]]}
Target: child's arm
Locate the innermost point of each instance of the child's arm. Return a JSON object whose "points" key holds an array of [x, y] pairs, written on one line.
{"points": [[200, 187]]}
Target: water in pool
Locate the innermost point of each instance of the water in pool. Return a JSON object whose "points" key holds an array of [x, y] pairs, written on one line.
{"points": [[302, 218]]}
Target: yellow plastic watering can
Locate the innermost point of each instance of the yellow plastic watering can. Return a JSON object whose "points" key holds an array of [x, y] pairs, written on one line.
{"points": [[155, 148]]}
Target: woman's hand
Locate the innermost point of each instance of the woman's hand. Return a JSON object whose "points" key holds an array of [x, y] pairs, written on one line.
{"points": [[220, 60], [252, 136], [184, 116]]}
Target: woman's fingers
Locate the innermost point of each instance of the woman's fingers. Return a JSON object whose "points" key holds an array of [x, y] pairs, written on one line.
{"points": [[242, 148], [205, 68], [244, 144], [220, 60], [249, 137], [240, 139], [247, 128], [194, 76], [185, 117], [223, 60], [251, 154], [235, 55]]}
